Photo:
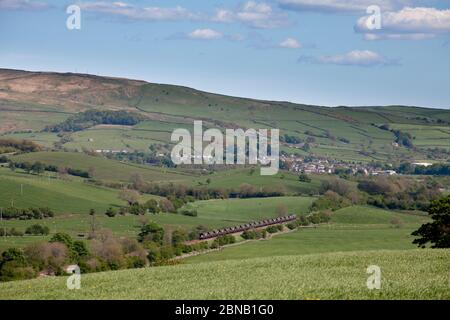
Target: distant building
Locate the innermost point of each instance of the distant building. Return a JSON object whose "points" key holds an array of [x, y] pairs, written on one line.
{"points": [[423, 164]]}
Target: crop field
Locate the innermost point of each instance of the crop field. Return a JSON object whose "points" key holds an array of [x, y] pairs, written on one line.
{"points": [[412, 274]]}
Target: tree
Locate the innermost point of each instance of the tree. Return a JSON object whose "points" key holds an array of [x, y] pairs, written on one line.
{"points": [[38, 167], [151, 232], [166, 205], [179, 237], [438, 231], [152, 206], [130, 196], [27, 167]]}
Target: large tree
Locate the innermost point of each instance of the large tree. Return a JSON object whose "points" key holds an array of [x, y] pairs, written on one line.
{"points": [[130, 196], [436, 232]]}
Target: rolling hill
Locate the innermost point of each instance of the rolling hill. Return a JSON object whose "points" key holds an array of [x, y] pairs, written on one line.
{"points": [[30, 101]]}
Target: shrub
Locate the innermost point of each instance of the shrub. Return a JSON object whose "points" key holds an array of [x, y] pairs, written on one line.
{"points": [[189, 212], [37, 229], [111, 212], [135, 262], [152, 206], [252, 234], [224, 240], [11, 271], [292, 226], [10, 233], [272, 229], [137, 209]]}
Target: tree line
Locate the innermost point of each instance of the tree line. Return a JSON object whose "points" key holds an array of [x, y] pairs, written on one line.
{"points": [[90, 118]]}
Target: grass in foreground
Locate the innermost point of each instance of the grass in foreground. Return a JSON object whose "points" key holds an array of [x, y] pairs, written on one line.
{"points": [[412, 274]]}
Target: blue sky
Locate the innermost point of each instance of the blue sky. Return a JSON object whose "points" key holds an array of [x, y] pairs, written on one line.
{"points": [[308, 51]]}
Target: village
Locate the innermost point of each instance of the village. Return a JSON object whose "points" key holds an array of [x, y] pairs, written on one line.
{"points": [[326, 166]]}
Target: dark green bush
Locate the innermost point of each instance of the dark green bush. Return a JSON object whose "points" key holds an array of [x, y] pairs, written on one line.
{"points": [[37, 229]]}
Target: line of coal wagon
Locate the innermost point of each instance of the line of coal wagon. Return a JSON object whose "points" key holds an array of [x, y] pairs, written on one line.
{"points": [[247, 226]]}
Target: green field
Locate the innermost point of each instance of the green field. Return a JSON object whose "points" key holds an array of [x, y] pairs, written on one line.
{"points": [[413, 274], [351, 229], [103, 168], [63, 196], [284, 180]]}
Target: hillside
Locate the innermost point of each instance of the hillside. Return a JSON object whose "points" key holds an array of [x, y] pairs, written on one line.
{"points": [[414, 274], [31, 101]]}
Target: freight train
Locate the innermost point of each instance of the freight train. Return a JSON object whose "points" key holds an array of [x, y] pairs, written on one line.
{"points": [[247, 226]]}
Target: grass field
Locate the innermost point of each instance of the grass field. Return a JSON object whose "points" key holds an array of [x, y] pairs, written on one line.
{"points": [[351, 229], [413, 274], [103, 168], [284, 180], [73, 196]]}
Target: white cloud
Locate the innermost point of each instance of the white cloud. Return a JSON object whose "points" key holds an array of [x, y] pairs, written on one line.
{"points": [[254, 14], [408, 23], [362, 58], [205, 34], [22, 5], [290, 43], [339, 6], [129, 11]]}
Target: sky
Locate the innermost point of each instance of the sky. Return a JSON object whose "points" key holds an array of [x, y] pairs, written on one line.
{"points": [[321, 52]]}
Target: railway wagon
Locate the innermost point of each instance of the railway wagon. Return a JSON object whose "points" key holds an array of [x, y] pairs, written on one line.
{"points": [[247, 226]]}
